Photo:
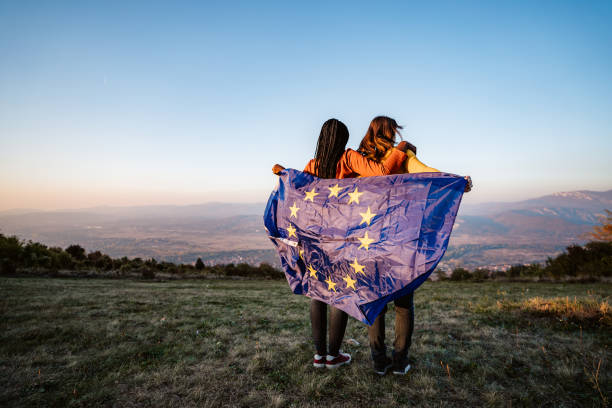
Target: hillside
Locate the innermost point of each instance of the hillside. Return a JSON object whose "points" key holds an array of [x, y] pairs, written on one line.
{"points": [[484, 234]]}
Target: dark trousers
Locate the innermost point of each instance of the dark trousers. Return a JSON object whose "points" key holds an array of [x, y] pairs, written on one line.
{"points": [[337, 327], [404, 325]]}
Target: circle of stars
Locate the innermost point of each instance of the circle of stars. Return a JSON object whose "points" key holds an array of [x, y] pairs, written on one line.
{"points": [[367, 218]]}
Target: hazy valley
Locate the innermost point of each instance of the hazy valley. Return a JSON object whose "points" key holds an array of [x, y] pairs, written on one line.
{"points": [[492, 235]]}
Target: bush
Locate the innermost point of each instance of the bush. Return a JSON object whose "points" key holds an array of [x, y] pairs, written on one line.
{"points": [[7, 267], [267, 270], [125, 269], [151, 263], [525, 271], [592, 260], [61, 260], [460, 274], [440, 274], [11, 248], [105, 263], [147, 273], [77, 252], [480, 274]]}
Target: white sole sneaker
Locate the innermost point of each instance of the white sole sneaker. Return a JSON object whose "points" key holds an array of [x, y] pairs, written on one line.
{"points": [[332, 366], [322, 360], [384, 371], [404, 372]]}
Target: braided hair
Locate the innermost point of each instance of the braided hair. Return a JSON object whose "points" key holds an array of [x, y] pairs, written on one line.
{"points": [[330, 147]]}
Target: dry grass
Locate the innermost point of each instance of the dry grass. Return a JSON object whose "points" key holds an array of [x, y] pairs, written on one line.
{"points": [[585, 312], [81, 342]]}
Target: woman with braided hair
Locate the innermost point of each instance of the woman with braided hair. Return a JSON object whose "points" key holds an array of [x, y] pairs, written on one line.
{"points": [[333, 160]]}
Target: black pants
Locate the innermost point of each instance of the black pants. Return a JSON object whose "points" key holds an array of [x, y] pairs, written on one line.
{"points": [[404, 326], [337, 327]]}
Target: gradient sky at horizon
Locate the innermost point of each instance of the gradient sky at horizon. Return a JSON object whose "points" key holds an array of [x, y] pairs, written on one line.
{"points": [[132, 103]]}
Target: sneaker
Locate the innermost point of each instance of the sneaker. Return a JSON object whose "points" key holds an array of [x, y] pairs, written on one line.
{"points": [[319, 361], [340, 359], [401, 370], [382, 365]]}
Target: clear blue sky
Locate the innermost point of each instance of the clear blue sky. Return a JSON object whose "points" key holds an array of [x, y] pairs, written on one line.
{"points": [[182, 102]]}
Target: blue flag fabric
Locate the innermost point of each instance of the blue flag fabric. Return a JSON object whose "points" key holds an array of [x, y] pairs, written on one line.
{"points": [[359, 243]]}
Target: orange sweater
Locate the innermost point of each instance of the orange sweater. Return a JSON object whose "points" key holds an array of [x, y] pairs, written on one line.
{"points": [[353, 164]]}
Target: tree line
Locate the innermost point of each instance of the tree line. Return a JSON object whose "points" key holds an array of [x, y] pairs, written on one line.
{"points": [[19, 256], [592, 261]]}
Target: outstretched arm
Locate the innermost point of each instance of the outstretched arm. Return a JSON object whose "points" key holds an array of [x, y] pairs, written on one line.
{"points": [[414, 165]]}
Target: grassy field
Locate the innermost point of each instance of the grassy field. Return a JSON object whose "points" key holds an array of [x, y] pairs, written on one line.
{"points": [[95, 342]]}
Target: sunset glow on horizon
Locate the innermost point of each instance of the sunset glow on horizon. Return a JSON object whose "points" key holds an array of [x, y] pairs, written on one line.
{"points": [[154, 103]]}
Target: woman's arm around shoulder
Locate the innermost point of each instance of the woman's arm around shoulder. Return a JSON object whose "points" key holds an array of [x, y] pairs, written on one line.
{"points": [[365, 167], [414, 165]]}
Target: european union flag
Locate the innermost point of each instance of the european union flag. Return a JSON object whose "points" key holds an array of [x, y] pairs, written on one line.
{"points": [[359, 243]]}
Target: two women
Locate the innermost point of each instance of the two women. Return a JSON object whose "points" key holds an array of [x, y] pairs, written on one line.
{"points": [[377, 155], [333, 160]]}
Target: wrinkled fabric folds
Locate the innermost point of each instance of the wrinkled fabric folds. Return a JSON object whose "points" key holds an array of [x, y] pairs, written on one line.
{"points": [[359, 243]]}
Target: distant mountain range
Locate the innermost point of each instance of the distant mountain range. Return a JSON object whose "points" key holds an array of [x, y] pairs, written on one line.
{"points": [[492, 234], [526, 231]]}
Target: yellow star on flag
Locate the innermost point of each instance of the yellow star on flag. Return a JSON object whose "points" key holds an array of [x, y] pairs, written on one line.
{"points": [[354, 196], [350, 282], [291, 230], [330, 285], [367, 216], [365, 241], [313, 271], [302, 254], [333, 191], [310, 195], [294, 209], [358, 268]]}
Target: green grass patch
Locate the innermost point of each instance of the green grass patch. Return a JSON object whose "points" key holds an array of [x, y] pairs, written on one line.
{"points": [[77, 342]]}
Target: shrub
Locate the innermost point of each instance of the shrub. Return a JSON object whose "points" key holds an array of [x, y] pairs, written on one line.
{"points": [[151, 263], [147, 273], [36, 255], [525, 271], [440, 275], [460, 274], [267, 270], [61, 260], [480, 274], [11, 248], [7, 266], [592, 260], [77, 252], [199, 265], [105, 262], [124, 269]]}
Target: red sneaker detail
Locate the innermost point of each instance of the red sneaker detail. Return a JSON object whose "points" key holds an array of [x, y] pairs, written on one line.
{"points": [[319, 361], [340, 359]]}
